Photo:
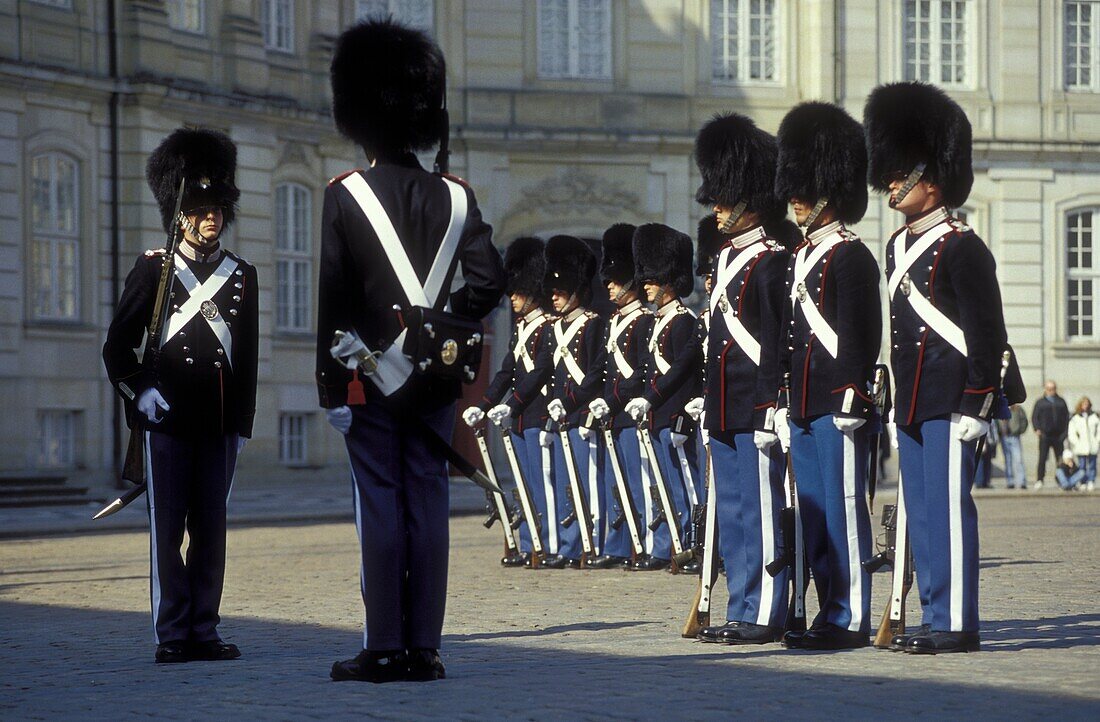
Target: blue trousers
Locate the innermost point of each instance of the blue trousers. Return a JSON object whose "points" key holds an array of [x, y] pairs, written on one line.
{"points": [[529, 455], [1014, 462], [402, 498], [539, 466], [937, 472], [749, 489], [831, 470], [680, 468], [617, 541], [588, 457]]}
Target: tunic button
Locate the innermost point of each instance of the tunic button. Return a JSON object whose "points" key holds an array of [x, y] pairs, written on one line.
{"points": [[189, 361], [217, 364], [237, 272], [183, 334], [233, 311], [175, 309], [237, 299], [221, 352], [186, 349], [918, 343], [895, 347], [238, 285], [923, 329]]}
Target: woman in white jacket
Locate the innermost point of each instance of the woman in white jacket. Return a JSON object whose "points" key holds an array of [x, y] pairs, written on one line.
{"points": [[1083, 439]]}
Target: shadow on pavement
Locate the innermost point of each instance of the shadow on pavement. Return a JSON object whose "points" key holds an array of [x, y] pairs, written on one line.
{"points": [[81, 663], [1066, 632]]}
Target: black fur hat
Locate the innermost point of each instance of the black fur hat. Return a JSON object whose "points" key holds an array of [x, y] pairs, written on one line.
{"points": [[388, 82], [525, 265], [208, 159], [822, 154], [710, 241], [570, 267], [664, 255], [617, 262], [737, 162], [911, 123], [786, 232]]}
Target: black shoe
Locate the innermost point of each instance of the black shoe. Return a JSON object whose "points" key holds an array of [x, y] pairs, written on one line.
{"points": [[213, 651], [516, 560], [554, 561], [831, 636], [425, 666], [898, 641], [606, 561], [692, 567], [944, 643], [793, 639], [172, 653], [650, 564], [627, 562], [713, 634], [370, 666], [572, 563], [746, 633]]}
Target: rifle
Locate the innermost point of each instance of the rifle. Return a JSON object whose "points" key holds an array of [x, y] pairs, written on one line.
{"points": [[497, 505], [579, 511], [668, 514], [133, 468], [699, 616], [628, 510], [898, 555], [534, 522], [792, 556], [880, 396]]}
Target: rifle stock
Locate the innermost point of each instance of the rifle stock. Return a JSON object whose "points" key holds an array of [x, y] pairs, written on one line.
{"points": [[699, 615]]}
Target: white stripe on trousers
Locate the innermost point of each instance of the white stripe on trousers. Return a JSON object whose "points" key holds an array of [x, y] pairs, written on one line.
{"points": [[689, 478], [594, 499], [954, 520], [551, 524], [647, 495], [767, 537], [359, 535], [851, 524], [154, 567]]}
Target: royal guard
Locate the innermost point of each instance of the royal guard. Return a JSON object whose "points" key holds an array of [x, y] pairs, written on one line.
{"points": [[524, 371], [663, 261], [832, 334], [947, 346], [737, 161], [194, 396], [628, 331], [394, 340], [578, 358]]}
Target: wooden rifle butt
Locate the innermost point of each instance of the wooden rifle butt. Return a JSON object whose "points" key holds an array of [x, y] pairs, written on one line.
{"points": [[536, 559], [885, 630], [696, 620]]}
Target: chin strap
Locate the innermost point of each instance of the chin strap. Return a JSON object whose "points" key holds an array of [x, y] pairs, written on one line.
{"points": [[910, 183], [624, 290], [734, 216], [818, 207], [660, 297], [189, 227], [526, 308]]}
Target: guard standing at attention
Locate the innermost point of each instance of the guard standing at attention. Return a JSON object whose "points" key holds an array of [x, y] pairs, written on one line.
{"points": [[392, 237]]}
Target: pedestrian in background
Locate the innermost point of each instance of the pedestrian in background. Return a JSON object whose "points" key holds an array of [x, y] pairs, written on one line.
{"points": [[1068, 473], [1050, 418], [1011, 429], [1083, 439]]}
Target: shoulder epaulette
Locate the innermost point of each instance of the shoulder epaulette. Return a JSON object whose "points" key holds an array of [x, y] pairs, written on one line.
{"points": [[958, 225], [343, 175], [591, 314], [154, 252], [848, 235], [461, 181]]}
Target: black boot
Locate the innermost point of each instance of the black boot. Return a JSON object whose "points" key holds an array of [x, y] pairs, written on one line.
{"points": [[944, 643], [606, 561], [830, 636], [425, 666], [898, 641], [172, 653], [713, 634], [746, 633], [214, 650], [692, 567], [515, 560], [554, 561], [650, 564], [368, 666]]}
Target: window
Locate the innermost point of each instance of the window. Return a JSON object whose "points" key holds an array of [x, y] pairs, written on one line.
{"points": [[417, 13], [743, 40], [936, 41], [55, 228], [277, 20], [293, 257], [1082, 275], [187, 15], [574, 39], [292, 438], [1081, 51], [57, 431]]}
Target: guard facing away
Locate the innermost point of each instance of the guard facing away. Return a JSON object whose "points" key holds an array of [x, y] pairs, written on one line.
{"points": [[578, 359], [524, 372], [194, 394], [947, 342], [663, 260], [738, 162], [627, 344], [832, 335], [392, 237]]}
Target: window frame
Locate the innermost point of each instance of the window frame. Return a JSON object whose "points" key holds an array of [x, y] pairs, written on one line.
{"points": [[744, 22], [288, 437], [1063, 48], [55, 238], [298, 256], [572, 30], [47, 428], [1092, 274], [267, 26], [936, 59]]}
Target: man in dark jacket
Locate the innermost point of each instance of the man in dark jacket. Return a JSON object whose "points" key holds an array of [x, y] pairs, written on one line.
{"points": [[1050, 419], [391, 239]]}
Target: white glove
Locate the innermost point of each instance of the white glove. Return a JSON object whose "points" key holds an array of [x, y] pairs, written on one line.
{"points": [[638, 408], [340, 419], [764, 440], [545, 439], [473, 416], [678, 440], [971, 428], [848, 424], [500, 414], [148, 403], [694, 408], [586, 433], [241, 441], [599, 408], [782, 429], [892, 432], [556, 409]]}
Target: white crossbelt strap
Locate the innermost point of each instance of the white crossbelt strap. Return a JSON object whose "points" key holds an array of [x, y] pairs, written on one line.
{"points": [[805, 262], [619, 324], [655, 342], [523, 334], [199, 293], [904, 259], [737, 330], [564, 337]]}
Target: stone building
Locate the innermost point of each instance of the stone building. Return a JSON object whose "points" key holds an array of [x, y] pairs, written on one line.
{"points": [[568, 115]]}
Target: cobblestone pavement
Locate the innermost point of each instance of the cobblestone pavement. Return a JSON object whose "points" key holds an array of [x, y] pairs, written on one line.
{"points": [[75, 639]]}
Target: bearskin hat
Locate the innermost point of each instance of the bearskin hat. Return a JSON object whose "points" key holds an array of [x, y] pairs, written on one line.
{"points": [[786, 232], [911, 123], [822, 154], [617, 261], [710, 241], [737, 162], [663, 255], [525, 266], [208, 159], [570, 267], [388, 82]]}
